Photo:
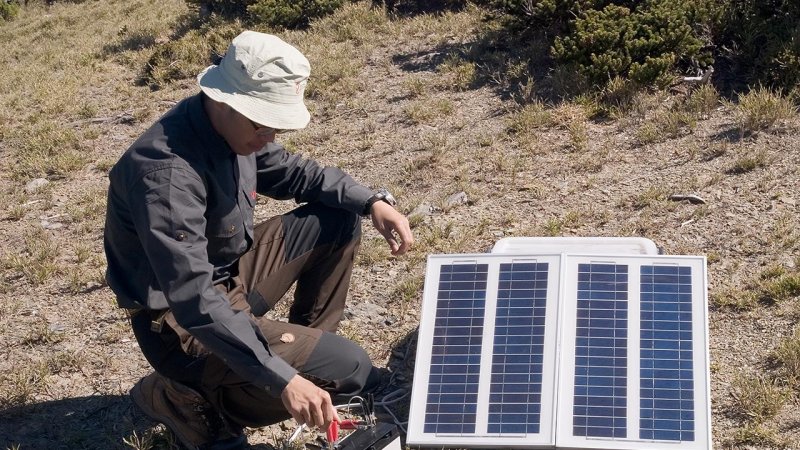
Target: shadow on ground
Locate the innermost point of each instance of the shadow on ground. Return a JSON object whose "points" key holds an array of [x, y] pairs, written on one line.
{"points": [[398, 393], [95, 422]]}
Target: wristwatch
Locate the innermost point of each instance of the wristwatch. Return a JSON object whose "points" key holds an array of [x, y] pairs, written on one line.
{"points": [[382, 195]]}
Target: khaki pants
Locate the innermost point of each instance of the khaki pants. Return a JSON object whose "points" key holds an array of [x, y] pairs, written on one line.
{"points": [[313, 246]]}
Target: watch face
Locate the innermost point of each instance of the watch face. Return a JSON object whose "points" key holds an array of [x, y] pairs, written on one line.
{"points": [[388, 197]]}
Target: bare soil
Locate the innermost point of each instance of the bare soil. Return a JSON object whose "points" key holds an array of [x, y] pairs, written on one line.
{"points": [[68, 358]]}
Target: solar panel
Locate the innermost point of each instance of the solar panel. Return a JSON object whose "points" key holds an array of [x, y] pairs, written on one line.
{"points": [[562, 350]]}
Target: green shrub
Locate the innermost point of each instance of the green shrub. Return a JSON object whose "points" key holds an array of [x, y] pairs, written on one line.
{"points": [[644, 44], [760, 41], [291, 13], [187, 56], [272, 13], [229, 9], [8, 10]]}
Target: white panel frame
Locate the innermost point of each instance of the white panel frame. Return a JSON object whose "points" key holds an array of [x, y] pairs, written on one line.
{"points": [[558, 363], [564, 437], [482, 438]]}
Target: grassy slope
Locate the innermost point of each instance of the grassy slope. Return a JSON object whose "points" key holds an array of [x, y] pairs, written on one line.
{"points": [[418, 105]]}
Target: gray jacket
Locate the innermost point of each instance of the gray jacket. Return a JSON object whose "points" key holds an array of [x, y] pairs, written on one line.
{"points": [[180, 214]]}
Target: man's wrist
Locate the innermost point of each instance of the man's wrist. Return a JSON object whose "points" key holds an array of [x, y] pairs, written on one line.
{"points": [[382, 195]]}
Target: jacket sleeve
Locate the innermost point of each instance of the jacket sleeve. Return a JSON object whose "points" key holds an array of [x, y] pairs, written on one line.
{"points": [[283, 176], [168, 207]]}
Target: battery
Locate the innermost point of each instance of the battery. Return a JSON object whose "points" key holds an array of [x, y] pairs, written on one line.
{"points": [[383, 436]]}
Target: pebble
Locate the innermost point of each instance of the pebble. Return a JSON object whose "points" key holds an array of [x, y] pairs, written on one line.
{"points": [[366, 311], [423, 210], [34, 185], [47, 225], [459, 198]]}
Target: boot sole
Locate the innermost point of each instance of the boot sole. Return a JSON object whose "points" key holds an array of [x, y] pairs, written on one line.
{"points": [[138, 398]]}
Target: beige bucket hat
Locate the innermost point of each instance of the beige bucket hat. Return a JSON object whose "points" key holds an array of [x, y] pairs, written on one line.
{"points": [[263, 78]]}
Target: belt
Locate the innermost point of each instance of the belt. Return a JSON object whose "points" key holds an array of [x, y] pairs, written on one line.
{"points": [[156, 317]]}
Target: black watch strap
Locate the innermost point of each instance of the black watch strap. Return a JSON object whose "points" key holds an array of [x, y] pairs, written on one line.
{"points": [[381, 195]]}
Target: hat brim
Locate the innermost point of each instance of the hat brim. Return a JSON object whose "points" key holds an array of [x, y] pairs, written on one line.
{"points": [[281, 116]]}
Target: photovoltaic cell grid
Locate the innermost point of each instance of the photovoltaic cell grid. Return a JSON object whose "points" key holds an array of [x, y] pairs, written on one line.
{"points": [[455, 355], [630, 326], [516, 387], [600, 390], [666, 378]]}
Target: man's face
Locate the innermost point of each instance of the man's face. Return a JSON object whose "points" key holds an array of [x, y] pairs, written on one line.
{"points": [[246, 137]]}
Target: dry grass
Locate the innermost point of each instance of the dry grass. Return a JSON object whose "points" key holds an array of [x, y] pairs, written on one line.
{"points": [[761, 109], [418, 104], [758, 398]]}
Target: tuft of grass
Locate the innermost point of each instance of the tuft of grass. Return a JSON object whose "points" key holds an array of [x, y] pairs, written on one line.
{"points": [[760, 109], [735, 299], [757, 398], [415, 87], [760, 436], [407, 293], [64, 361], [372, 251], [653, 195], [357, 23], [785, 233], [41, 334], [620, 98], [459, 75], [702, 101], [158, 437], [428, 110], [787, 355], [105, 164], [648, 133], [20, 386], [749, 162], [89, 206], [773, 285], [780, 289], [37, 261], [46, 149], [532, 116], [714, 150], [665, 125], [578, 136]]}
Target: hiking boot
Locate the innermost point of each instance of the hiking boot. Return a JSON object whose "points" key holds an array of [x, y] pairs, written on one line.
{"points": [[196, 424], [379, 383]]}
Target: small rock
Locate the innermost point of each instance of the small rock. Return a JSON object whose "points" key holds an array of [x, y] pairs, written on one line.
{"points": [[456, 199], [693, 198], [423, 210], [56, 327], [366, 311], [34, 185], [47, 225]]}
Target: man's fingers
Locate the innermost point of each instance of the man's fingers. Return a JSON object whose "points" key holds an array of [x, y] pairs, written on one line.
{"points": [[317, 416], [328, 411]]}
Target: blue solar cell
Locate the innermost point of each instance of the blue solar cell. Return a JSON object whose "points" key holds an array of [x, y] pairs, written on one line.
{"points": [[601, 351], [666, 374], [455, 355], [514, 406]]}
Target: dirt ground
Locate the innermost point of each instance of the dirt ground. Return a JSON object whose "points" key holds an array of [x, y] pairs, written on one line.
{"points": [[68, 358]]}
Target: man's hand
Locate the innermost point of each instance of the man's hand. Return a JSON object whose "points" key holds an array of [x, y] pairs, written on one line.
{"points": [[308, 404], [389, 221]]}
